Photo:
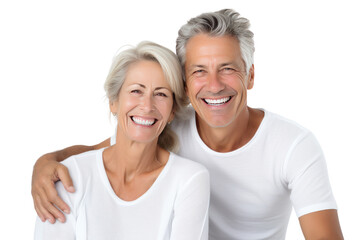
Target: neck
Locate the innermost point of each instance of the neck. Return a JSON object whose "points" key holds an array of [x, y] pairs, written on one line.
{"points": [[233, 136], [127, 159]]}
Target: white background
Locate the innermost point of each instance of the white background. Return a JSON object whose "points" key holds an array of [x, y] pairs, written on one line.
{"points": [[54, 57]]}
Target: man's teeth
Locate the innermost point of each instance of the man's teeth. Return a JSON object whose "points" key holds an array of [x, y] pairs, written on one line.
{"points": [[216, 101], [142, 121]]}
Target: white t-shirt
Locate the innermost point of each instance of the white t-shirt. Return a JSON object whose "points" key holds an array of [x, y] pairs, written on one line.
{"points": [[254, 187], [175, 206]]}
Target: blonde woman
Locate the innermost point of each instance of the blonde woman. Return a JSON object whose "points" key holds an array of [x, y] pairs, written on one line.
{"points": [[137, 188]]}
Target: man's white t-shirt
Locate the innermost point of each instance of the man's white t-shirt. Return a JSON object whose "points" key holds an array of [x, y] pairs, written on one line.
{"points": [[175, 207], [254, 188]]}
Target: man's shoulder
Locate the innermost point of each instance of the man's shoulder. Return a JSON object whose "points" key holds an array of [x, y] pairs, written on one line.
{"points": [[281, 125]]}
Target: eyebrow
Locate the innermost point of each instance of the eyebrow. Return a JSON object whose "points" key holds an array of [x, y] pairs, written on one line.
{"points": [[158, 88], [141, 85], [196, 66], [203, 66], [227, 64]]}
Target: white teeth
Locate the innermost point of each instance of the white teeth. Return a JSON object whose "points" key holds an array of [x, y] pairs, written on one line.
{"points": [[216, 101], [144, 122]]}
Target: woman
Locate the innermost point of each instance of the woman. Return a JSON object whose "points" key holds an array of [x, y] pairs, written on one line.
{"points": [[137, 189]]}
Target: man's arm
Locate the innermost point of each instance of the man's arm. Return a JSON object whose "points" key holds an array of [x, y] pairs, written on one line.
{"points": [[47, 171], [311, 194], [321, 225]]}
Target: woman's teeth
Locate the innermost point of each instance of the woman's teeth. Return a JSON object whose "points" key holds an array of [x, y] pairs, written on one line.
{"points": [[141, 121]]}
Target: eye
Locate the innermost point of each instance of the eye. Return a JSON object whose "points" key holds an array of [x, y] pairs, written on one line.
{"points": [[135, 91], [199, 72], [160, 94], [227, 70]]}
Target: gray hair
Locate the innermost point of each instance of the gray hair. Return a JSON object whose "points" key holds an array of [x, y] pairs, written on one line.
{"points": [[220, 23], [172, 70]]}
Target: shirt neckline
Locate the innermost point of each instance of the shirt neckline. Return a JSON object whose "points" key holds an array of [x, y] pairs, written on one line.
{"points": [[196, 135], [106, 181]]}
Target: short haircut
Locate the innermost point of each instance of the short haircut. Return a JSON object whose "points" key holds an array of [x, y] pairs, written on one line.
{"points": [[170, 65], [226, 22]]}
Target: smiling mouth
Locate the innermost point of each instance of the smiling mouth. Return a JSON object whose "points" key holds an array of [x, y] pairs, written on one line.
{"points": [[143, 122], [216, 102]]}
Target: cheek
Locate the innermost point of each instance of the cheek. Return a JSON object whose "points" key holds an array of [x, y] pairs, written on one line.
{"points": [[126, 104], [236, 82], [165, 106], [194, 86]]}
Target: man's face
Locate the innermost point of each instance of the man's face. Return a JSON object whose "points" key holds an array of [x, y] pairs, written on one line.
{"points": [[216, 79]]}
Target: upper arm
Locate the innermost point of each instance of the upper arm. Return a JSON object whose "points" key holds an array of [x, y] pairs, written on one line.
{"points": [[321, 225], [310, 190], [307, 177], [105, 143], [58, 230], [191, 209]]}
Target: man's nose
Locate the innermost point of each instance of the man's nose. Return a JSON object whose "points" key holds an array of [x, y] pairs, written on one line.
{"points": [[215, 84]]}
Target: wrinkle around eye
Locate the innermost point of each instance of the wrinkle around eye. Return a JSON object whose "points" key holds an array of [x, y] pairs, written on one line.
{"points": [[160, 94], [135, 91], [228, 70], [199, 73]]}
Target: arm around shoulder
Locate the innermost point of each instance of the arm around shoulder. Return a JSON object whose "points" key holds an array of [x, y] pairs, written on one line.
{"points": [[47, 171], [66, 230]]}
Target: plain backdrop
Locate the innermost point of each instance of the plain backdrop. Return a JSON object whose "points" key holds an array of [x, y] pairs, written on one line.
{"points": [[55, 55]]}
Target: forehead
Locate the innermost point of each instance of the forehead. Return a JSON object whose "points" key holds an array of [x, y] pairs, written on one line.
{"points": [[203, 49], [146, 72]]}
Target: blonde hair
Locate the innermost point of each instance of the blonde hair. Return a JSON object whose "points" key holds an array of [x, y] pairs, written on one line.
{"points": [[172, 70]]}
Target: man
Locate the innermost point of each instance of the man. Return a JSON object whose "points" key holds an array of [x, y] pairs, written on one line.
{"points": [[260, 163]]}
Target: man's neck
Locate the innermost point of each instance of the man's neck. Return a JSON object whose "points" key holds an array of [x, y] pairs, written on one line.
{"points": [[235, 135]]}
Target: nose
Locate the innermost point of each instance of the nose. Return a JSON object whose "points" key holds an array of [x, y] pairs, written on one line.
{"points": [[147, 103], [215, 85]]}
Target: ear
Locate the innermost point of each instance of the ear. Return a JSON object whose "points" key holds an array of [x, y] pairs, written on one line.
{"points": [[251, 77], [113, 107], [171, 117]]}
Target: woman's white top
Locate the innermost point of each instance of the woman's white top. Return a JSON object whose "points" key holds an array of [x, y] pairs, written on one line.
{"points": [[175, 206]]}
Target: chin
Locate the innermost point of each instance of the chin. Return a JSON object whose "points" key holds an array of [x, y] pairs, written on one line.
{"points": [[219, 123]]}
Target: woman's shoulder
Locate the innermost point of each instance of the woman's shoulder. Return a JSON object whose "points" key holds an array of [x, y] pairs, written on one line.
{"points": [[83, 166], [82, 160], [189, 177], [186, 168]]}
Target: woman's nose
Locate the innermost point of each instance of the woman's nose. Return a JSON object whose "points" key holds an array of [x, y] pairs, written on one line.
{"points": [[147, 103]]}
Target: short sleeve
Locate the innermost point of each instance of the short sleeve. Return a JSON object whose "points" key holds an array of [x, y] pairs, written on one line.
{"points": [[191, 209], [307, 177]]}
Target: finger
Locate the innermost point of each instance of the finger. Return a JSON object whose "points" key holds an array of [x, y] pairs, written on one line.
{"points": [[37, 204], [48, 198], [38, 212], [59, 203], [42, 209], [64, 176]]}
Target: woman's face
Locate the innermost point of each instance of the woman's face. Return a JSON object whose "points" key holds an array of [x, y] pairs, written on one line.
{"points": [[145, 102]]}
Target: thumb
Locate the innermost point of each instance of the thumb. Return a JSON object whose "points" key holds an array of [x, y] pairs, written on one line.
{"points": [[64, 177]]}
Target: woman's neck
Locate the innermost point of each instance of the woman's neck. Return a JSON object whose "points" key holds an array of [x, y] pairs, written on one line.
{"points": [[128, 159]]}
